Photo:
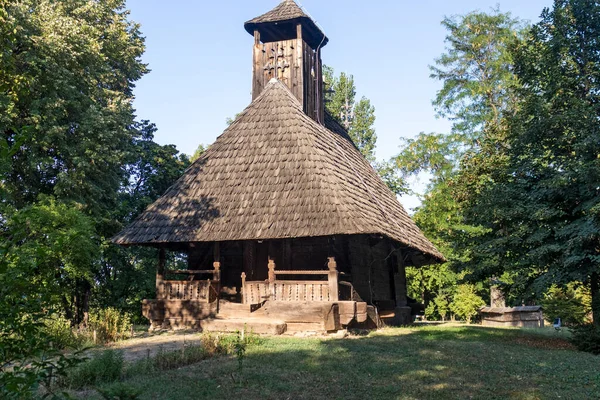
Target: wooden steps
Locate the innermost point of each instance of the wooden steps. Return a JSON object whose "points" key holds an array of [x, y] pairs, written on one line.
{"points": [[254, 325]]}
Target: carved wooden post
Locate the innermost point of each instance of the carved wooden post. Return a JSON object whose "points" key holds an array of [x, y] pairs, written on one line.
{"points": [[160, 275], [333, 279], [243, 288], [217, 273], [272, 278]]}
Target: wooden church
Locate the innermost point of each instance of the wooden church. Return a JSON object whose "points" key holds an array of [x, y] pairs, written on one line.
{"points": [[281, 225]]}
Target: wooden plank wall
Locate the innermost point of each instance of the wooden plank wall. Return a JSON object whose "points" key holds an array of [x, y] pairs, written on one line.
{"points": [[370, 269], [297, 65]]}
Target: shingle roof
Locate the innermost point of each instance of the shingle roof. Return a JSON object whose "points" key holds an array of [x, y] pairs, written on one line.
{"points": [[273, 174], [288, 10]]}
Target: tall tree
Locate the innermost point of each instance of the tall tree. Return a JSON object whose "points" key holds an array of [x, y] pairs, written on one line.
{"points": [[543, 219], [358, 117], [478, 91], [68, 136]]}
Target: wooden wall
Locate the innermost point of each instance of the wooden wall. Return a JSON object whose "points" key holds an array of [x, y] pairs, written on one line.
{"points": [[294, 63], [369, 263]]}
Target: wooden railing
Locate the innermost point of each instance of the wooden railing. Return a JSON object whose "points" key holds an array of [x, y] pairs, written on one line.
{"points": [[205, 291], [256, 292], [202, 290]]}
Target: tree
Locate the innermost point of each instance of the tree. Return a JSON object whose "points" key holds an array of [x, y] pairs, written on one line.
{"points": [[68, 137], [478, 91], [358, 117], [199, 151], [543, 218], [466, 302]]}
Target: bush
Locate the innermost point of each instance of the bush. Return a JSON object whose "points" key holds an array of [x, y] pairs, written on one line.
{"points": [[566, 304], [586, 338], [104, 367], [119, 391], [110, 325], [62, 335], [466, 302]]}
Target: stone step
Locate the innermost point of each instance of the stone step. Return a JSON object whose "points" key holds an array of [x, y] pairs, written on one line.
{"points": [[254, 325]]}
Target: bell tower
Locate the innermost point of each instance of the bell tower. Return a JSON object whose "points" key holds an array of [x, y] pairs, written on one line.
{"points": [[287, 46]]}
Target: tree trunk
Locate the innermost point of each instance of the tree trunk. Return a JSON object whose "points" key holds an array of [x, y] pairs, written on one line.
{"points": [[595, 289]]}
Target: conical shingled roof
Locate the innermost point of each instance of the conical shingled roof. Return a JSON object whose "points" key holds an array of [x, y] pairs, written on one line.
{"points": [[286, 11], [275, 174]]}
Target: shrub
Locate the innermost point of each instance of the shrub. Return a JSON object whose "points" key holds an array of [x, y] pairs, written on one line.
{"points": [[119, 391], [566, 304], [466, 302], [104, 367], [59, 331], [586, 338], [110, 325]]}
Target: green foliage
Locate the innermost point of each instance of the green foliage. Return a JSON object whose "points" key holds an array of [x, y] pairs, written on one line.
{"points": [[566, 304], [361, 129], [110, 324], [63, 336], [45, 248], [541, 209], [30, 360], [103, 367], [586, 338], [442, 305], [479, 89], [358, 117], [476, 72], [119, 391], [389, 174], [199, 151], [466, 302]]}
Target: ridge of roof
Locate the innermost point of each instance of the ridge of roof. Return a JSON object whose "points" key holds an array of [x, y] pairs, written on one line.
{"points": [[275, 173]]}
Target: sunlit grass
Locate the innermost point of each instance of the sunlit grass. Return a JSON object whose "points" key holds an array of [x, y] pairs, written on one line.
{"points": [[422, 362]]}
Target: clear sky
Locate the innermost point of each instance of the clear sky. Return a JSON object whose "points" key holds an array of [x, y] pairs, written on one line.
{"points": [[200, 58]]}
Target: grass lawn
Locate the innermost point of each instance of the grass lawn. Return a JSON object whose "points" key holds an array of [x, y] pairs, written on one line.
{"points": [[431, 362]]}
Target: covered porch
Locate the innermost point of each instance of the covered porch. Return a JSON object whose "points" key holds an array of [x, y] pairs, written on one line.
{"points": [[303, 284]]}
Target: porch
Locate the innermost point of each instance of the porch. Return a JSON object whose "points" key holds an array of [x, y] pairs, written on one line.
{"points": [[271, 306]]}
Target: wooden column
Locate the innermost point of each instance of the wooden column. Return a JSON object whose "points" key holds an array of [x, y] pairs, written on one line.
{"points": [[333, 279], [400, 281], [217, 274], [300, 92], [160, 274], [271, 278], [243, 288], [257, 71]]}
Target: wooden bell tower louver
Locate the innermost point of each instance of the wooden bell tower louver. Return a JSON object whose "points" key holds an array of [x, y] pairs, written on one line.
{"points": [[287, 46]]}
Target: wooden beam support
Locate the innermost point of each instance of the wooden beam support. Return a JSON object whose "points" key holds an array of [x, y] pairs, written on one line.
{"points": [[256, 37], [333, 279], [160, 273], [400, 281], [217, 252]]}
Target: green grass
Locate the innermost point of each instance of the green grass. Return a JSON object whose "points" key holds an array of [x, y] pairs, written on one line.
{"points": [[433, 362]]}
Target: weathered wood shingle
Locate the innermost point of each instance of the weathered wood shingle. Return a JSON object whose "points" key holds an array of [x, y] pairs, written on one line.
{"points": [[273, 174]]}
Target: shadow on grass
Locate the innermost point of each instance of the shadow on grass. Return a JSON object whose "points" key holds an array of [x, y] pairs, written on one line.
{"points": [[422, 363]]}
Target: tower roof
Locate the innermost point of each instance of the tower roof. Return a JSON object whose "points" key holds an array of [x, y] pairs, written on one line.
{"points": [[274, 174], [287, 12]]}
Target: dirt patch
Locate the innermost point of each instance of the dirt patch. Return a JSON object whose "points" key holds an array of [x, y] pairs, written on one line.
{"points": [[148, 346], [545, 343]]}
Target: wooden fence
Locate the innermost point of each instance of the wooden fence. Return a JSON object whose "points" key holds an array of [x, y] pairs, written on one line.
{"points": [[201, 290], [256, 292]]}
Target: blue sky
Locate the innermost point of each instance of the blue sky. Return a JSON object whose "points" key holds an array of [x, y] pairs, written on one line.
{"points": [[200, 58]]}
